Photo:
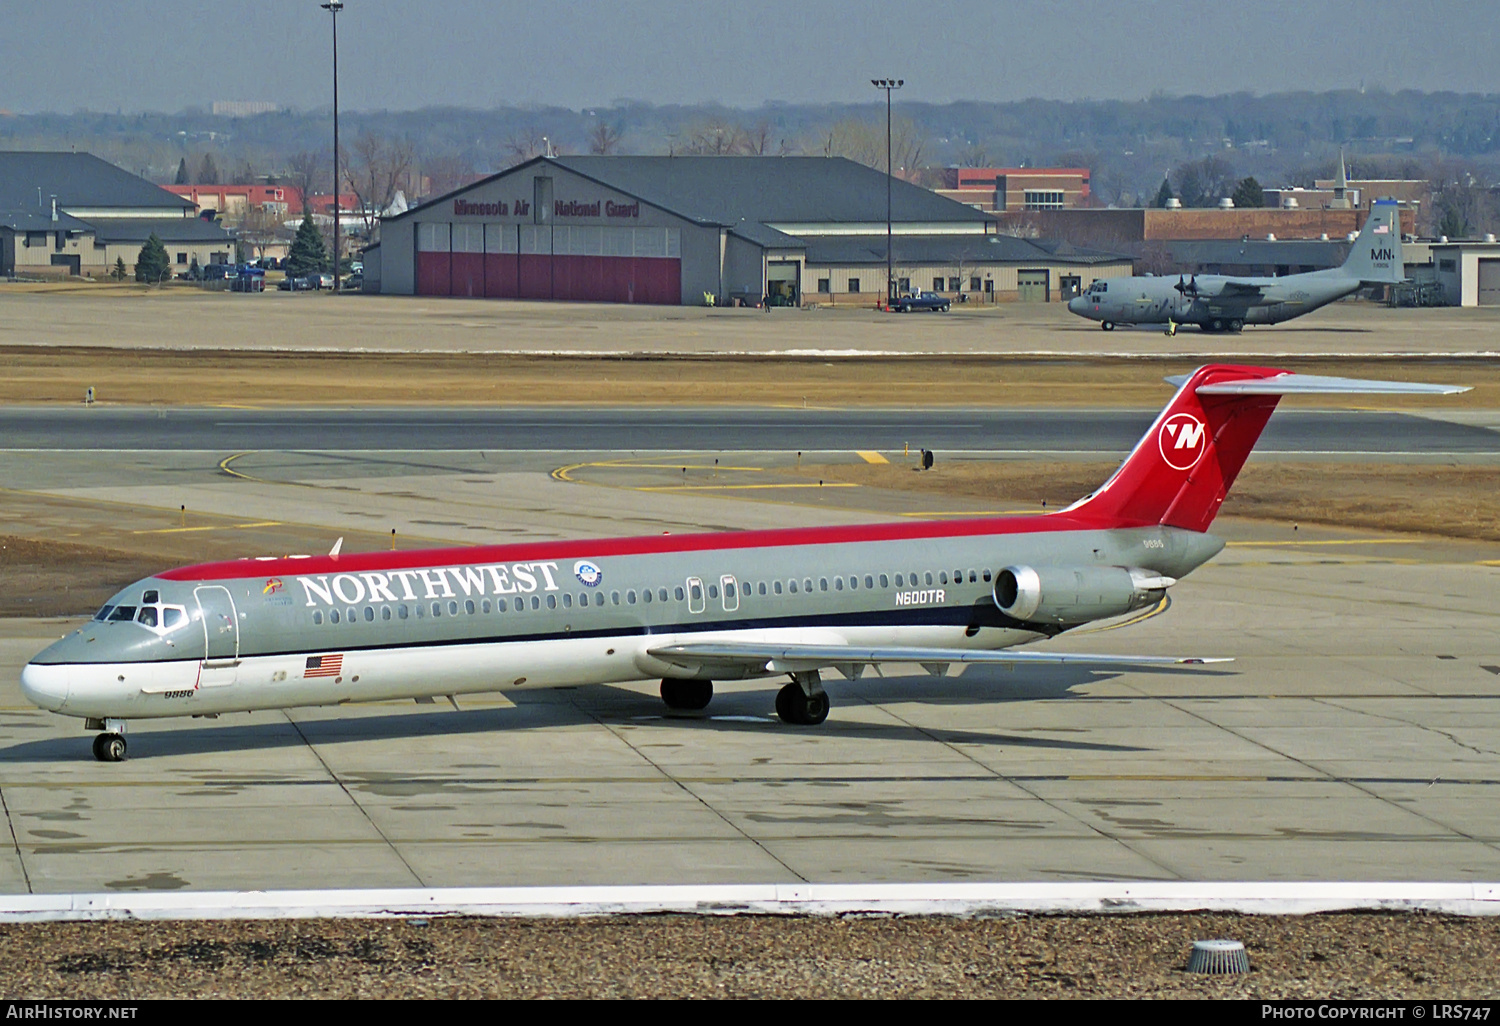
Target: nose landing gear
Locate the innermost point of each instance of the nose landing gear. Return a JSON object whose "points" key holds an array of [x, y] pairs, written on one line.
{"points": [[109, 748], [110, 745]]}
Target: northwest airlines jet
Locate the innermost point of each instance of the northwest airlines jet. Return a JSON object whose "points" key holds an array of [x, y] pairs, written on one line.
{"points": [[276, 632]]}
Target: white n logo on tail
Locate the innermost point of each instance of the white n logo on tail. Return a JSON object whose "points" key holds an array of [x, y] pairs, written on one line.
{"points": [[1181, 441]]}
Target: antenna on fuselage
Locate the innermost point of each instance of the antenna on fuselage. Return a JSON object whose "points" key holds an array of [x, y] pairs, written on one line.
{"points": [[336, 546]]}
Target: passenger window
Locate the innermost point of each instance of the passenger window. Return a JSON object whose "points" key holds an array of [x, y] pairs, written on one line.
{"points": [[729, 589], [536, 603], [942, 577], [807, 585], [353, 614], [453, 608], [661, 594], [369, 614], [150, 597], [551, 601], [822, 584], [437, 609], [485, 606], [870, 581], [385, 612], [838, 584], [333, 616], [762, 587], [898, 581], [401, 612], [614, 597], [929, 577], [500, 605], [646, 594], [793, 586], [678, 593], [885, 582], [469, 606], [567, 600], [778, 587], [986, 576], [420, 614], [630, 596], [146, 617], [713, 591], [317, 616], [974, 577]]}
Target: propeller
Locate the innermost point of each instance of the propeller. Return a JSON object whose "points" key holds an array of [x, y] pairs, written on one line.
{"points": [[1187, 288]]}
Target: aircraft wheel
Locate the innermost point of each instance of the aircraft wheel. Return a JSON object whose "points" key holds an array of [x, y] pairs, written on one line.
{"points": [[109, 748], [794, 706], [1215, 325], [1236, 326], [687, 694], [1107, 325]]}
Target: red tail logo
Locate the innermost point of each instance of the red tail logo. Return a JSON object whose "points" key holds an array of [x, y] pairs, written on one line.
{"points": [[1181, 441]]}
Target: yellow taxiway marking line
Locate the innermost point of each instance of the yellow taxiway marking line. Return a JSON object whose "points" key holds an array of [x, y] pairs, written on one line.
{"points": [[870, 456], [212, 527], [730, 487], [1344, 541], [1156, 610]]}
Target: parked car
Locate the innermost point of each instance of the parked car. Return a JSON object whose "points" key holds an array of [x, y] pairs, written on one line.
{"points": [[920, 301], [321, 280], [354, 283], [291, 284]]}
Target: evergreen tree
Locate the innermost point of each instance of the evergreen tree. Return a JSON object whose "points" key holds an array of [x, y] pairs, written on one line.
{"points": [[195, 273], [307, 253], [1249, 193], [182, 172], [208, 171], [153, 265], [1163, 194], [118, 274]]}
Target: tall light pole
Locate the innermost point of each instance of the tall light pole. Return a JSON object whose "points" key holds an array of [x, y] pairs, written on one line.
{"points": [[333, 7], [888, 84]]}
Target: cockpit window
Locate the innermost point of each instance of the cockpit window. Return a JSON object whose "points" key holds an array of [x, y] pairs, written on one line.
{"points": [[125, 613], [147, 598], [173, 617], [147, 615], [103, 614]]}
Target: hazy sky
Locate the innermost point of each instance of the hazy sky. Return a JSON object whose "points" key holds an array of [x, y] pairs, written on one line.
{"points": [[63, 55]]}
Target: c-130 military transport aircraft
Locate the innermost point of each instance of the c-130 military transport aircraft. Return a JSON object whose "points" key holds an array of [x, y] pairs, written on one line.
{"points": [[277, 632], [1217, 302]]}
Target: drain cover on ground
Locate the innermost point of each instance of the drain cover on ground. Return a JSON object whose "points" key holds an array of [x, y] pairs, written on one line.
{"points": [[1218, 956]]}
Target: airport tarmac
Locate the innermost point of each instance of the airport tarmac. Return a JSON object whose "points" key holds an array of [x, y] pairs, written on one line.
{"points": [[1356, 736], [187, 318]]}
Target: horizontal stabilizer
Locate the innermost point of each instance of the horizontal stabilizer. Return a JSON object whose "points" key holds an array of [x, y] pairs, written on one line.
{"points": [[1314, 384], [786, 658]]}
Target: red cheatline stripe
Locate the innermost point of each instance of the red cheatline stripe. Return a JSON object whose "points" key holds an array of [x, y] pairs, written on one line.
{"points": [[648, 545]]}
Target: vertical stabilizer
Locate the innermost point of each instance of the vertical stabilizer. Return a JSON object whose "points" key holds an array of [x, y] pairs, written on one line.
{"points": [[1376, 256]]}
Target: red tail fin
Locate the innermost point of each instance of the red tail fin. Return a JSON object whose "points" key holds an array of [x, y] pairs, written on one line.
{"points": [[1182, 468]]}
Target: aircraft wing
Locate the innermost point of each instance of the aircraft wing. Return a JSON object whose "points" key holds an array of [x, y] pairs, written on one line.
{"points": [[1239, 290], [778, 658]]}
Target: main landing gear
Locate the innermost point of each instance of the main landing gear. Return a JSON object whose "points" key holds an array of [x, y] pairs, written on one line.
{"points": [[803, 702], [687, 694], [110, 745], [1106, 325]]}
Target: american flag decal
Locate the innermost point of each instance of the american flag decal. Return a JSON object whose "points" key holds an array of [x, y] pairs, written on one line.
{"points": [[324, 666], [1382, 229]]}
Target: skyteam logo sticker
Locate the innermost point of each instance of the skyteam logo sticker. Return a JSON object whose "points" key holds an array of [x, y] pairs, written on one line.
{"points": [[588, 573], [1182, 441]]}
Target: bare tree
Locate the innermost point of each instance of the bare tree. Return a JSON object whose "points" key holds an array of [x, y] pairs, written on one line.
{"points": [[604, 138], [308, 172], [375, 169], [263, 228], [973, 155], [525, 145], [864, 142], [446, 173], [714, 138]]}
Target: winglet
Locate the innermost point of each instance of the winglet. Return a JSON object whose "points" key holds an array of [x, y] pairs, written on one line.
{"points": [[336, 546]]}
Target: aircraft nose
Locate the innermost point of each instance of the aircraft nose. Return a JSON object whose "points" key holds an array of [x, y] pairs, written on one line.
{"points": [[45, 686], [1076, 305]]}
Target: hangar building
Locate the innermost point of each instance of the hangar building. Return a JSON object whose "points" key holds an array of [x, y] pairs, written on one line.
{"points": [[676, 230]]}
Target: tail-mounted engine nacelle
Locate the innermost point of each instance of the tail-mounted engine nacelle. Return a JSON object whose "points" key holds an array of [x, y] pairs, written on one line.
{"points": [[1067, 595]]}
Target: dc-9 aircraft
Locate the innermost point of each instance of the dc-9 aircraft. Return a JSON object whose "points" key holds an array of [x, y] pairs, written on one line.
{"points": [[278, 632]]}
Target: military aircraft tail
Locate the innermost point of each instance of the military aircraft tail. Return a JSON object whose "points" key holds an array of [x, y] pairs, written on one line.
{"points": [[1376, 256], [1181, 470]]}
